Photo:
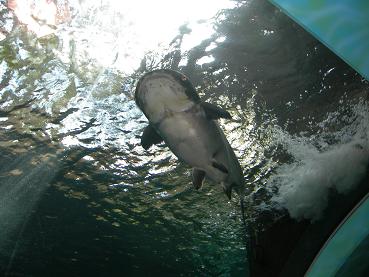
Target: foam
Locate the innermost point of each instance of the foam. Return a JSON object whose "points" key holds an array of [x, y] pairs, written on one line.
{"points": [[318, 166]]}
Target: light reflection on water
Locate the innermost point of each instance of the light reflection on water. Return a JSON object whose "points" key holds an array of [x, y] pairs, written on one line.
{"points": [[118, 34], [72, 95]]}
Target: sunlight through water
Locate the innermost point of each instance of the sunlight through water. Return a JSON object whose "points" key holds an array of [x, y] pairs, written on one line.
{"points": [[119, 33]]}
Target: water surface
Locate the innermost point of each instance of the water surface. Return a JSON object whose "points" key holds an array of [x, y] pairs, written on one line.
{"points": [[80, 196]]}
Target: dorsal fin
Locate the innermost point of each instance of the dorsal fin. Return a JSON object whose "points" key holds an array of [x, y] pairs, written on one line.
{"points": [[220, 167], [214, 112]]}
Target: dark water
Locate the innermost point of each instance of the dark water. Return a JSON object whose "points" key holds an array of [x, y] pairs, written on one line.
{"points": [[80, 197]]}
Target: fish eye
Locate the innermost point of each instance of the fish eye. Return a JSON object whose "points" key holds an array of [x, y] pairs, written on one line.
{"points": [[184, 78]]}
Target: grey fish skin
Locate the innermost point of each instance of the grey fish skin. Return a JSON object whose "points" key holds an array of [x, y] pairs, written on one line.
{"points": [[188, 127]]}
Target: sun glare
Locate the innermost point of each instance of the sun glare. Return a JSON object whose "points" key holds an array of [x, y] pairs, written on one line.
{"points": [[119, 33]]}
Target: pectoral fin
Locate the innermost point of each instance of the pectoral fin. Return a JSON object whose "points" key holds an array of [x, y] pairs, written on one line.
{"points": [[197, 178], [214, 112], [150, 137]]}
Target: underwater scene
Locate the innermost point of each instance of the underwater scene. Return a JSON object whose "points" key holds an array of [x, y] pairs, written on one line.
{"points": [[80, 196]]}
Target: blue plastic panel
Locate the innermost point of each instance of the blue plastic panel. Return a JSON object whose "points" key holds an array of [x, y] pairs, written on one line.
{"points": [[348, 236], [342, 25]]}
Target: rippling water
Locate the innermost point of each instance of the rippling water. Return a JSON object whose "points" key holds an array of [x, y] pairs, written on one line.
{"points": [[78, 193]]}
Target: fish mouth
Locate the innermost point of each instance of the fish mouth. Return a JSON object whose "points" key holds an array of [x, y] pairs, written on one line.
{"points": [[178, 82], [155, 75], [162, 92], [164, 73]]}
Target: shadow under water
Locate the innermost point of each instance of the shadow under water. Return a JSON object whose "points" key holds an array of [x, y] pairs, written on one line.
{"points": [[80, 196]]}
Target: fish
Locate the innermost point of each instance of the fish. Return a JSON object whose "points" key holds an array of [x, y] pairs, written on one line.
{"points": [[188, 127]]}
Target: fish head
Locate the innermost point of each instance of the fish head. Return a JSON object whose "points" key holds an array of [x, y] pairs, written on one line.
{"points": [[164, 91]]}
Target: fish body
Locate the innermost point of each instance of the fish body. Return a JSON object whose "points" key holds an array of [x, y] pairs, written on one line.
{"points": [[188, 127]]}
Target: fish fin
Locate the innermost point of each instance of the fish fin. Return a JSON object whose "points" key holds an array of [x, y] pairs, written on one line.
{"points": [[220, 167], [150, 137], [214, 112], [198, 176], [227, 190]]}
